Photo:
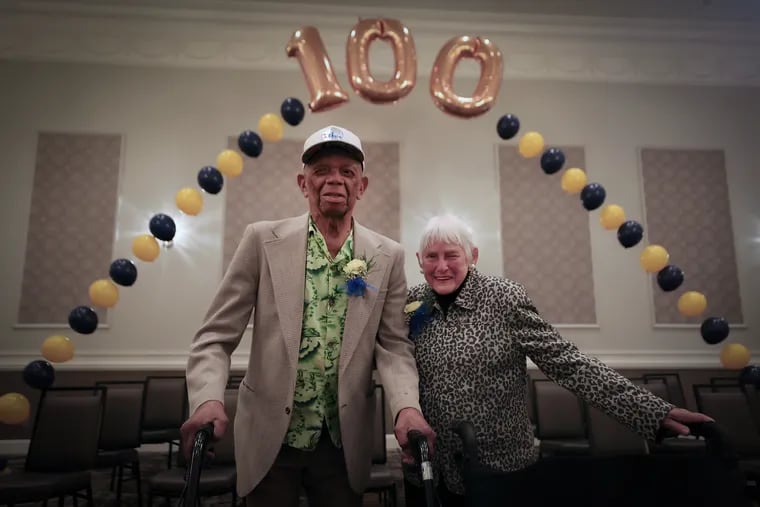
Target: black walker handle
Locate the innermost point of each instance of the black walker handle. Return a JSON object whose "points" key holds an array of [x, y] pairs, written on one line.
{"points": [[189, 497], [421, 451]]}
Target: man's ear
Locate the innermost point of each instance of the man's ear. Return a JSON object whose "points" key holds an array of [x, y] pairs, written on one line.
{"points": [[301, 179], [365, 183]]}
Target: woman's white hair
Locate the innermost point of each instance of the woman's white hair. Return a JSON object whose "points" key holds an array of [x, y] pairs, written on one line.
{"points": [[448, 229]]}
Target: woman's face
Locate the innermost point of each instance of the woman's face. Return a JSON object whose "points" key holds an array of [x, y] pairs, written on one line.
{"points": [[444, 266]]}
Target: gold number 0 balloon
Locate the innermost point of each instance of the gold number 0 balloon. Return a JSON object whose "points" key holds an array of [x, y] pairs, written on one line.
{"points": [[441, 86], [404, 55], [307, 46]]}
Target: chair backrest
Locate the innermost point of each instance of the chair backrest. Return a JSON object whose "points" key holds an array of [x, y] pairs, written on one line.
{"points": [[559, 412], [674, 386], [731, 409], [379, 456], [66, 429], [122, 417], [659, 389], [224, 449], [165, 402], [609, 437]]}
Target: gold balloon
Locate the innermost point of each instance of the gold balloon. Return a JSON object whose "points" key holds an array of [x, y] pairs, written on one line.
{"points": [[531, 144], [14, 408], [653, 258], [692, 303], [104, 293], [189, 201], [229, 163], [442, 76], [306, 45], [145, 247], [734, 356], [57, 349], [573, 180], [404, 55], [270, 129], [612, 216]]}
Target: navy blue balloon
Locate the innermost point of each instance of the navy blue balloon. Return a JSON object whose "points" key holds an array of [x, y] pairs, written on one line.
{"points": [[508, 126], [292, 111], [630, 233], [39, 374], [162, 227], [250, 143], [552, 160], [714, 330], [83, 319], [750, 375], [123, 272], [670, 278], [593, 196], [211, 180]]}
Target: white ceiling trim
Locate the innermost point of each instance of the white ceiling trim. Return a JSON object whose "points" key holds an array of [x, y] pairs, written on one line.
{"points": [[252, 35]]}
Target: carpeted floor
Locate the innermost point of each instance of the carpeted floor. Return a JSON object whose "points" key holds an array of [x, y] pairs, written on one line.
{"points": [[154, 462]]}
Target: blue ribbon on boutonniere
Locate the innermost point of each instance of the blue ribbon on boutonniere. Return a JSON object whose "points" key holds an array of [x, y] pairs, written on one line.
{"points": [[356, 271], [418, 314]]}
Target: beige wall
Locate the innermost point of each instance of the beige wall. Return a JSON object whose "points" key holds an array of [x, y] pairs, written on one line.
{"points": [[176, 120]]}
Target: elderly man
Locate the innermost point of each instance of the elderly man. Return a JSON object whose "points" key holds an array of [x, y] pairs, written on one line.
{"points": [[328, 296]]}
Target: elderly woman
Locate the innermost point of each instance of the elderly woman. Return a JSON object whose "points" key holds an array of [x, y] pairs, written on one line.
{"points": [[472, 335]]}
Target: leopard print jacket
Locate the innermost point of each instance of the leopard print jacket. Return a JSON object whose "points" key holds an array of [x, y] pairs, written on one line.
{"points": [[472, 366]]}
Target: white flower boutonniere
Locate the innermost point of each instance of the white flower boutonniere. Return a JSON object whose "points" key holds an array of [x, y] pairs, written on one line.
{"points": [[356, 271], [412, 307], [417, 314]]}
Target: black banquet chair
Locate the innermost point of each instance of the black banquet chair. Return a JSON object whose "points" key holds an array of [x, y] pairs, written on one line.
{"points": [[62, 450]]}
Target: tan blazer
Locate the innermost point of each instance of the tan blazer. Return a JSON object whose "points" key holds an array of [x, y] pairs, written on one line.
{"points": [[267, 273]]}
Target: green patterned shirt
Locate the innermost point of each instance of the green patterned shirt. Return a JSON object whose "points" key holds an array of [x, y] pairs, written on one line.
{"points": [[324, 315]]}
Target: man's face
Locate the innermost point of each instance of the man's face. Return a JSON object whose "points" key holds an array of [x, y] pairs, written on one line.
{"points": [[332, 184]]}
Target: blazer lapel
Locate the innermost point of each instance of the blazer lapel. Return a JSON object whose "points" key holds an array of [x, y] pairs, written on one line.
{"points": [[360, 307], [286, 256]]}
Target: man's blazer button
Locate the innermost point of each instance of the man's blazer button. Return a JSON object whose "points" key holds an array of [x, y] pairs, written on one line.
{"points": [[287, 410]]}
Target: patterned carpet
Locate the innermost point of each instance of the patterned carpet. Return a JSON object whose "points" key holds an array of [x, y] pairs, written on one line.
{"points": [[154, 462]]}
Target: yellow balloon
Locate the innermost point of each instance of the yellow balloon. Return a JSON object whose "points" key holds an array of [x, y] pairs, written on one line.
{"points": [[57, 349], [145, 247], [270, 127], [104, 293], [692, 303], [612, 216], [653, 258], [14, 408], [734, 356], [229, 163], [531, 144], [573, 180], [189, 201]]}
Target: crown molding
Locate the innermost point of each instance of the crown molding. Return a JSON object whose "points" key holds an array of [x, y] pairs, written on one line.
{"points": [[253, 35]]}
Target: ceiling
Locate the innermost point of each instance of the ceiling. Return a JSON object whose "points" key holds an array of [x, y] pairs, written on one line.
{"points": [[681, 10]]}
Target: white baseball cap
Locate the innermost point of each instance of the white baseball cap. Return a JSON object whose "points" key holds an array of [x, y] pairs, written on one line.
{"points": [[333, 136]]}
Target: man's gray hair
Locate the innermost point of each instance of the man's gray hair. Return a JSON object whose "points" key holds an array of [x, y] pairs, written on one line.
{"points": [[448, 229]]}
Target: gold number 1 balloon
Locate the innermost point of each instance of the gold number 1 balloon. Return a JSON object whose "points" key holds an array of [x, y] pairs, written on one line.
{"points": [[306, 45], [404, 55], [441, 77]]}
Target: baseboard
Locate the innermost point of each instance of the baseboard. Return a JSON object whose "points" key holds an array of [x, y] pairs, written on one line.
{"points": [[19, 447], [14, 448]]}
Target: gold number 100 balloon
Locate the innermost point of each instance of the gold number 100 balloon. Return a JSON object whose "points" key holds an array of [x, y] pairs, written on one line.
{"points": [[326, 92]]}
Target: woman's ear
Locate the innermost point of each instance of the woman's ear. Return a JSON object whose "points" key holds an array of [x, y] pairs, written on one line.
{"points": [[474, 255]]}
